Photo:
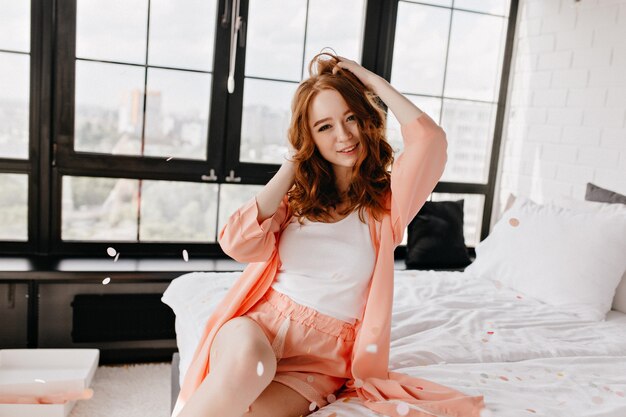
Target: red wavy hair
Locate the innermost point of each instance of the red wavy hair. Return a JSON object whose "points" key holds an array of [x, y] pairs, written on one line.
{"points": [[315, 192]]}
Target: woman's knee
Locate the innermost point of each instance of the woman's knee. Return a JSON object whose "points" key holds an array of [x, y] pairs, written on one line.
{"points": [[242, 347]]}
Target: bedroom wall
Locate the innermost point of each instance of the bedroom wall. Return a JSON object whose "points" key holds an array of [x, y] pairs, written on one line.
{"points": [[566, 113]]}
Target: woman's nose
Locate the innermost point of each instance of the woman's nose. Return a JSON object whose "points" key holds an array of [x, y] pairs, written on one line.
{"points": [[343, 133]]}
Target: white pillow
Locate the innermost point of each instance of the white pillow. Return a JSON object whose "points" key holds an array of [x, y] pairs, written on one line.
{"points": [[193, 297], [619, 301], [570, 259]]}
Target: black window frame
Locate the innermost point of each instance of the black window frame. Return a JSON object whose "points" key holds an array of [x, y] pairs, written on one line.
{"points": [[53, 33]]}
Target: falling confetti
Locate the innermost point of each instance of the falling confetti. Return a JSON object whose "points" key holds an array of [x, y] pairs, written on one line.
{"points": [[310, 378], [514, 222], [519, 297], [372, 348], [620, 393], [116, 257], [331, 398], [402, 409], [169, 159], [106, 281], [504, 378], [41, 381], [530, 410], [485, 376], [259, 368], [489, 332], [185, 255], [312, 406], [111, 252], [560, 374]]}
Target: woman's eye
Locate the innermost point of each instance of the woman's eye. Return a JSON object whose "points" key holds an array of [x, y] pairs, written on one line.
{"points": [[351, 118], [324, 127]]}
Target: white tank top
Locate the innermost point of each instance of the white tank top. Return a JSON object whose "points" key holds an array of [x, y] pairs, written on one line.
{"points": [[327, 266]]}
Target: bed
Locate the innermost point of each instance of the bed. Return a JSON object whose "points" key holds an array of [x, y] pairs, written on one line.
{"points": [[526, 352]]}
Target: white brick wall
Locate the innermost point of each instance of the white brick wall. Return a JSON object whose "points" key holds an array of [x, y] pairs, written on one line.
{"points": [[566, 113]]}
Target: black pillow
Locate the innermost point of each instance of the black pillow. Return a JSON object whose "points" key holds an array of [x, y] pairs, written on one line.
{"points": [[435, 237], [602, 195]]}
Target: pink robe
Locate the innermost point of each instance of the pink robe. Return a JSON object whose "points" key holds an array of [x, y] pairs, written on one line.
{"points": [[414, 175]]}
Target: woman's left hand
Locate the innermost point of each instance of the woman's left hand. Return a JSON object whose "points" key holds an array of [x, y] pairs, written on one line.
{"points": [[367, 77]]}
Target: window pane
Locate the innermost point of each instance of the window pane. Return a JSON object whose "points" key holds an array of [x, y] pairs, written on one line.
{"points": [[265, 120], [15, 25], [14, 207], [182, 33], [99, 209], [112, 30], [232, 196], [334, 24], [500, 7], [418, 67], [475, 56], [189, 217], [473, 205], [429, 105], [275, 39], [469, 127], [109, 108], [14, 105], [177, 114]]}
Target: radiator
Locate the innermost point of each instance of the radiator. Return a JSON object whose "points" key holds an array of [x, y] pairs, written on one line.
{"points": [[121, 317]]}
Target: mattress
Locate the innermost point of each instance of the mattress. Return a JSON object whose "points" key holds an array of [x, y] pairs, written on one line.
{"points": [[524, 356]]}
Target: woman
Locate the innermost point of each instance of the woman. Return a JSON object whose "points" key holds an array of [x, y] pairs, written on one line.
{"points": [[309, 319]]}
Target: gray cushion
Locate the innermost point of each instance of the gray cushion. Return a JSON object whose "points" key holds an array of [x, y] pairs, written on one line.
{"points": [[602, 195]]}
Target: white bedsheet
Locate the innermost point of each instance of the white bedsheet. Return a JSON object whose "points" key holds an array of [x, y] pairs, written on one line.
{"points": [[468, 333], [553, 387], [448, 316]]}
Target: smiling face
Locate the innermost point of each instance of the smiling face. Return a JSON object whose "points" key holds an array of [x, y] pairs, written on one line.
{"points": [[335, 131]]}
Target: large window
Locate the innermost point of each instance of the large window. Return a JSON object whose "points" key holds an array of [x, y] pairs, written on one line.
{"points": [[136, 140]]}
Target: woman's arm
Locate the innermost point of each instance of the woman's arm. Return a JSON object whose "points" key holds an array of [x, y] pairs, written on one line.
{"points": [[404, 110], [248, 235], [420, 165], [269, 198]]}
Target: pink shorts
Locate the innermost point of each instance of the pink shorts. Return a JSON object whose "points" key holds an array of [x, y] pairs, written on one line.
{"points": [[313, 350]]}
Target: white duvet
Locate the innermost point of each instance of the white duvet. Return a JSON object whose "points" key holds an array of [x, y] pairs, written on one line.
{"points": [[523, 356]]}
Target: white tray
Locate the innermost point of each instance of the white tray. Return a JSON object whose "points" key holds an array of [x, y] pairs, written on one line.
{"points": [[44, 371]]}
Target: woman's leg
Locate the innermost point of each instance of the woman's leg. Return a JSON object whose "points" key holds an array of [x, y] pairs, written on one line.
{"points": [[278, 400], [233, 382]]}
